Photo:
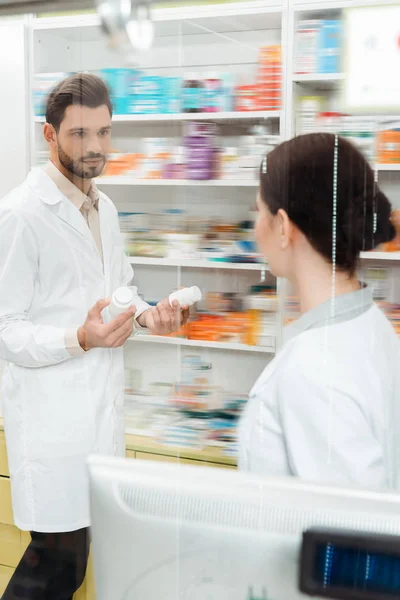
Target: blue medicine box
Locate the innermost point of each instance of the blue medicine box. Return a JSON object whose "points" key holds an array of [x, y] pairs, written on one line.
{"points": [[330, 44]]}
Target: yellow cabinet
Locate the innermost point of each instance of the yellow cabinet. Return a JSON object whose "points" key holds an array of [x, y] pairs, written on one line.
{"points": [[182, 461], [12, 547], [6, 514], [202, 463], [3, 456], [157, 457], [14, 542], [5, 576]]}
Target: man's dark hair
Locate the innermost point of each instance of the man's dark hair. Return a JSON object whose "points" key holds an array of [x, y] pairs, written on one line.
{"points": [[81, 89]]}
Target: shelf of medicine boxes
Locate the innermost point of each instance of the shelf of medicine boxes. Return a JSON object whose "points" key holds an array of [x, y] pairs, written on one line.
{"points": [[385, 256], [177, 341], [388, 167], [184, 117], [148, 445], [195, 264], [319, 81], [129, 181]]}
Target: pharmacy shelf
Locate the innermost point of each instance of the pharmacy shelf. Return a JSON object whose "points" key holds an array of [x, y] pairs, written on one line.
{"points": [[176, 341], [131, 181], [388, 256], [319, 80], [195, 264], [254, 15], [382, 167], [184, 117]]}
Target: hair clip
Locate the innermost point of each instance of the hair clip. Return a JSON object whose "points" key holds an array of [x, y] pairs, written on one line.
{"points": [[263, 274], [264, 165]]}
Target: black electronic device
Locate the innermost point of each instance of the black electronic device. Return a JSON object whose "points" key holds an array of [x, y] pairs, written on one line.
{"points": [[350, 565]]}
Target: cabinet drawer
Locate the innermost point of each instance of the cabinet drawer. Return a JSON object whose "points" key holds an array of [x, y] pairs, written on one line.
{"points": [[201, 463], [157, 457], [6, 514], [3, 456], [130, 454], [11, 545], [5, 576]]}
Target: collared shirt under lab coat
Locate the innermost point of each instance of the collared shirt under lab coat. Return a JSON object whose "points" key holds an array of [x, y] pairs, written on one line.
{"points": [[57, 408], [89, 208], [325, 409]]}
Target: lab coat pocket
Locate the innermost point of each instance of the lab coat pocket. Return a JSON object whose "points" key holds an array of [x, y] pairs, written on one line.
{"points": [[57, 410]]}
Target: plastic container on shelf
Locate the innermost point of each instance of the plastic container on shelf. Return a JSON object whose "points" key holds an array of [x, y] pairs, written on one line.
{"points": [[176, 168], [246, 98], [230, 163], [212, 93], [192, 94], [200, 151], [182, 245], [227, 93]]}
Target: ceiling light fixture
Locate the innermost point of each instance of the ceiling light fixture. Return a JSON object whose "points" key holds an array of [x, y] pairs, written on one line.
{"points": [[127, 23]]}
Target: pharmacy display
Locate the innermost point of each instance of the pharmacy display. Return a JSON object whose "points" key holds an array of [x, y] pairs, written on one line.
{"points": [[137, 92], [192, 121]]}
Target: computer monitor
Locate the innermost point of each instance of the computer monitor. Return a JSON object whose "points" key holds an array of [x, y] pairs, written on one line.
{"points": [[171, 532]]}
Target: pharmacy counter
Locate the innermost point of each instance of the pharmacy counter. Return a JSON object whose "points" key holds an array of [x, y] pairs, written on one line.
{"points": [[13, 542]]}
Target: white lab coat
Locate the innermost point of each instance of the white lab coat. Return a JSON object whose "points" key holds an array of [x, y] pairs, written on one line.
{"points": [[57, 408], [326, 408]]}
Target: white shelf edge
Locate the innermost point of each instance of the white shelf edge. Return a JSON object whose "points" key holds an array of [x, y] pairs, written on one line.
{"points": [[388, 256], [130, 181], [183, 117], [195, 264], [155, 339], [334, 5], [387, 167], [317, 77]]}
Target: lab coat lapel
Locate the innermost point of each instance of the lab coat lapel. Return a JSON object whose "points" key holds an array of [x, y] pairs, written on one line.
{"points": [[74, 218], [62, 207], [106, 237]]}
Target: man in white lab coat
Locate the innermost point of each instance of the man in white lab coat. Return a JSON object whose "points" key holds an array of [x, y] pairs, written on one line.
{"points": [[61, 257]]}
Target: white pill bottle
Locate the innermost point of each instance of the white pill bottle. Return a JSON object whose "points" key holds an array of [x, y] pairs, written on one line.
{"points": [[121, 301], [186, 297]]}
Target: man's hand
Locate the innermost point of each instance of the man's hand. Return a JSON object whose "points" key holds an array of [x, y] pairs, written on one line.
{"points": [[94, 333], [164, 319]]}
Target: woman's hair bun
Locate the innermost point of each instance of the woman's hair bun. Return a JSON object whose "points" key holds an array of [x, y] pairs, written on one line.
{"points": [[367, 222], [322, 181]]}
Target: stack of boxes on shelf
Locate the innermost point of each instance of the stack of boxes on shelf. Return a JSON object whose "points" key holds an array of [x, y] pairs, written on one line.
{"points": [[192, 413], [311, 118], [232, 318], [318, 47], [137, 92], [388, 145], [201, 156], [266, 93], [269, 79], [173, 233]]}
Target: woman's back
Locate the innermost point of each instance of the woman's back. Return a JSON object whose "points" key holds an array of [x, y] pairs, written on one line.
{"points": [[328, 410]]}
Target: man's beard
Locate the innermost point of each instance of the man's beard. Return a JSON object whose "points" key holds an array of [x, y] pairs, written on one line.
{"points": [[78, 168]]}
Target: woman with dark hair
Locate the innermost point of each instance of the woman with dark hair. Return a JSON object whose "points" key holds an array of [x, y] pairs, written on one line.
{"points": [[325, 408]]}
